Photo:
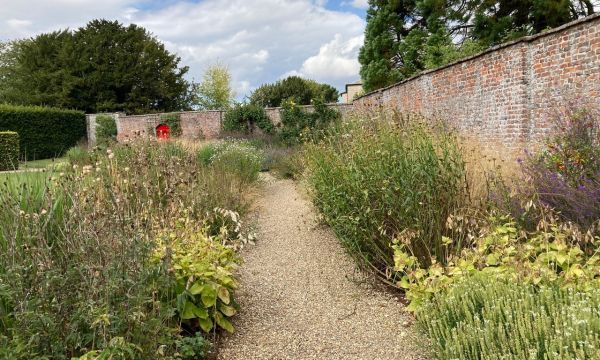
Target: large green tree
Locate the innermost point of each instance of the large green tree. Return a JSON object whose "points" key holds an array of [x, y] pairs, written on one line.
{"points": [[104, 66], [498, 21], [302, 91], [404, 37]]}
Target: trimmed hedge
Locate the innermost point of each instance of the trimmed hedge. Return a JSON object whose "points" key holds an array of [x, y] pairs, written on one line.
{"points": [[44, 132], [9, 150]]}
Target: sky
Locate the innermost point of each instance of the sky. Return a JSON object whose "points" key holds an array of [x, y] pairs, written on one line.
{"points": [[259, 40]]}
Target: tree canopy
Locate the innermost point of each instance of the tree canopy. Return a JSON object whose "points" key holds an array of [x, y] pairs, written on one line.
{"points": [[404, 37], [214, 92], [302, 91], [104, 66]]}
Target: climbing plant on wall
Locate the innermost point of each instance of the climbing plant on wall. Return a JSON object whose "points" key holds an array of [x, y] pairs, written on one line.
{"points": [[245, 117], [173, 121]]}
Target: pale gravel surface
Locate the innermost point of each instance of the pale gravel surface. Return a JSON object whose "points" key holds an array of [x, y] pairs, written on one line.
{"points": [[301, 297]]}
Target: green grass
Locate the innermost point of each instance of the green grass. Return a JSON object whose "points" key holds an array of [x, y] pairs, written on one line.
{"points": [[43, 164], [376, 181], [22, 177]]}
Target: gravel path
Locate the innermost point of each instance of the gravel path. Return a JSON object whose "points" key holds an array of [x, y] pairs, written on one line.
{"points": [[301, 297]]}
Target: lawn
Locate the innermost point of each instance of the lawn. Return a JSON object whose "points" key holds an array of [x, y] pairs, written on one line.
{"points": [[43, 164]]}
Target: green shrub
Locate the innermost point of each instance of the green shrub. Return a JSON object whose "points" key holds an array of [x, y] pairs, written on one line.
{"points": [[483, 317], [554, 253], [106, 130], [283, 162], [44, 132], [376, 181], [173, 121], [193, 347], [206, 154], [9, 148], [246, 118], [204, 283], [78, 155], [239, 157], [298, 124]]}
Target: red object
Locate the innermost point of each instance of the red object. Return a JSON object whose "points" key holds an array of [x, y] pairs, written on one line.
{"points": [[163, 132]]}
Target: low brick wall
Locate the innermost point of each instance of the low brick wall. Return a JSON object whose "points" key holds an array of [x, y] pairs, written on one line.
{"points": [[194, 124]]}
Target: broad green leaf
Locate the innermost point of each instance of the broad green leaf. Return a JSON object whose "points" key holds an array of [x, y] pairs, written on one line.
{"points": [[189, 311], [209, 296], [196, 288], [223, 322], [561, 258], [491, 259], [201, 313], [224, 295], [205, 324], [228, 311]]}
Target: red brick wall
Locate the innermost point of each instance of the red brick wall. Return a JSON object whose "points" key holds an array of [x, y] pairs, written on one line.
{"points": [[507, 94], [194, 125]]}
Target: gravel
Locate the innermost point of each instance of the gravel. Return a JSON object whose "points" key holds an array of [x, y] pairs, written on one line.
{"points": [[301, 296]]}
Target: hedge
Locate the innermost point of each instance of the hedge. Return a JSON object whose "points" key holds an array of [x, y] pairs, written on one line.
{"points": [[44, 132], [106, 129], [9, 150]]}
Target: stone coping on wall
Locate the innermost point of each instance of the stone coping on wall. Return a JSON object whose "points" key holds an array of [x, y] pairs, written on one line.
{"points": [[525, 39]]}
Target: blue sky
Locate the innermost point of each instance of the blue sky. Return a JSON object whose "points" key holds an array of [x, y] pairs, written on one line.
{"points": [[260, 40]]}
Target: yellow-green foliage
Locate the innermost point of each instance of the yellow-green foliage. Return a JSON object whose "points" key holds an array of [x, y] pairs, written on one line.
{"points": [[487, 317], [202, 266], [556, 253]]}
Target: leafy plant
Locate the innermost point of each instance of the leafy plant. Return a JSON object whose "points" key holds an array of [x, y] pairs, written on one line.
{"points": [[379, 180], [106, 130], [192, 347], [486, 317], [82, 245], [297, 124], [566, 174], [555, 253], [246, 118], [234, 156], [202, 268]]}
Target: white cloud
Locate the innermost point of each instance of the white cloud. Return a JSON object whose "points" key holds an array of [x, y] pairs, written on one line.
{"points": [[361, 4], [337, 59], [259, 40]]}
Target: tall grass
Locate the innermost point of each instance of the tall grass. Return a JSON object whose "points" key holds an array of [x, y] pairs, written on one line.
{"points": [[393, 178], [487, 318], [75, 274]]}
